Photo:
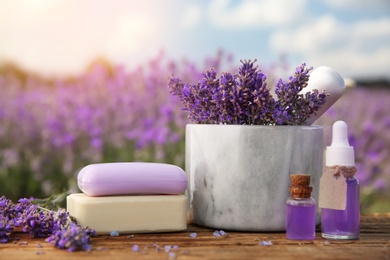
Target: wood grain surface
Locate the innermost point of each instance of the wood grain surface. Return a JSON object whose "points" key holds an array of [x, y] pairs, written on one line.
{"points": [[374, 243]]}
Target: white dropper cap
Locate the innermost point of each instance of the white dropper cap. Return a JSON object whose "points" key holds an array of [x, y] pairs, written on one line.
{"points": [[340, 152]]}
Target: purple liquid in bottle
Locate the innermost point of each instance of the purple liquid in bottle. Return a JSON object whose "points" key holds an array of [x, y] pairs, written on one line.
{"points": [[300, 209], [300, 219], [343, 224]]}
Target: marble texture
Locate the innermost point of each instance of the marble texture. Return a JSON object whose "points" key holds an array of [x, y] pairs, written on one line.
{"points": [[239, 175]]}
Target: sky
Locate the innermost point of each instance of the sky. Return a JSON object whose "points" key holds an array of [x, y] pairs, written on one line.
{"points": [[61, 37]]}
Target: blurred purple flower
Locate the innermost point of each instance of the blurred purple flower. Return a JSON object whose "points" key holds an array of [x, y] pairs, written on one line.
{"points": [[97, 143]]}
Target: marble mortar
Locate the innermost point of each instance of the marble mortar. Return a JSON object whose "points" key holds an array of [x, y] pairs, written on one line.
{"points": [[239, 175]]}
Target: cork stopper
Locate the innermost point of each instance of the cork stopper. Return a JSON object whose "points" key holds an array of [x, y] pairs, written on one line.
{"points": [[300, 186]]}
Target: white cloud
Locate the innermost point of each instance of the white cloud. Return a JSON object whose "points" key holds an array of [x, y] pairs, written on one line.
{"points": [[254, 13], [355, 49], [358, 4], [191, 16]]}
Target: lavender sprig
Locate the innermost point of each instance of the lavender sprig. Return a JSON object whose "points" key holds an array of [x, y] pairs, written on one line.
{"points": [[61, 230], [198, 98], [204, 92], [224, 97], [244, 98], [73, 238], [293, 108], [253, 95]]}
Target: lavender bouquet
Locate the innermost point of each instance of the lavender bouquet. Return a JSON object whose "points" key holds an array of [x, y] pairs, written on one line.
{"points": [[35, 217], [245, 99]]}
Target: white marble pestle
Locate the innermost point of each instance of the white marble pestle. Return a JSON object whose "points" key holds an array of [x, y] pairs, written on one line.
{"points": [[325, 79]]}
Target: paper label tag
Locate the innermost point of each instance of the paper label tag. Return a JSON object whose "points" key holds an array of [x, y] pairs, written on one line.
{"points": [[333, 190]]}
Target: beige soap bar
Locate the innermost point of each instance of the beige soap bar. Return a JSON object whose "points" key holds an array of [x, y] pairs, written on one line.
{"points": [[129, 214]]}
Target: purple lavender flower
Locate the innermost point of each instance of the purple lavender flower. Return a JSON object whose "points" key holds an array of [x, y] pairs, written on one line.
{"points": [[198, 98], [244, 98], [224, 99], [4, 202], [73, 238], [253, 96], [35, 220], [293, 108], [7, 210], [5, 230], [61, 220], [38, 223]]}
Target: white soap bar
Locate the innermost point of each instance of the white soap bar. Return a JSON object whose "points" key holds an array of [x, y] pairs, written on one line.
{"points": [[129, 214]]}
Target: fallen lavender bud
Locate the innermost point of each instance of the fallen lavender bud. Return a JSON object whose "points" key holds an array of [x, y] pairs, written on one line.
{"points": [[222, 233], [135, 248], [265, 243], [167, 248], [219, 233], [172, 255], [114, 233]]}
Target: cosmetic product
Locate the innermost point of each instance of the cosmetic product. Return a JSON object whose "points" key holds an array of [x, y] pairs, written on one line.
{"points": [[129, 214], [129, 178], [339, 195], [325, 79], [300, 209]]}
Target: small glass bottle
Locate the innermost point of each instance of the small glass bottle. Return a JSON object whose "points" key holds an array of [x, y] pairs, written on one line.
{"points": [[342, 224], [300, 209]]}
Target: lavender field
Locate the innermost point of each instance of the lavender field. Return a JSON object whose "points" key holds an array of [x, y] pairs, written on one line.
{"points": [[49, 129]]}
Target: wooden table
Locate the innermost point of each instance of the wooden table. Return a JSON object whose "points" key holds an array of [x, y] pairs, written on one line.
{"points": [[374, 243]]}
